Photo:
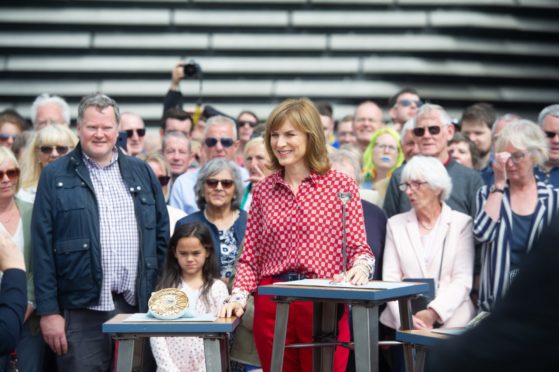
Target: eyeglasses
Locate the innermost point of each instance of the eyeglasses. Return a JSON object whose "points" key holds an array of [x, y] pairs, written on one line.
{"points": [[549, 135], [433, 130], [47, 150], [413, 185], [386, 148], [252, 124], [409, 102], [12, 174], [516, 157], [140, 132], [213, 182], [164, 180], [4, 137], [225, 142]]}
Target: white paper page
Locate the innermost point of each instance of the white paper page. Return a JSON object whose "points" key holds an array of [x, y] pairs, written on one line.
{"points": [[143, 317], [328, 283]]}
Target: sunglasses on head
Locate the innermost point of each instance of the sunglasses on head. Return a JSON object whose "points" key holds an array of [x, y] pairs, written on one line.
{"points": [[12, 174], [551, 134], [164, 180], [225, 142], [4, 137], [245, 122], [409, 102], [213, 182], [47, 150], [433, 130], [140, 132]]}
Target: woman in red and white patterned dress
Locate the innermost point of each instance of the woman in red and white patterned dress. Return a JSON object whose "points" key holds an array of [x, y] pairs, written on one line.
{"points": [[294, 231]]}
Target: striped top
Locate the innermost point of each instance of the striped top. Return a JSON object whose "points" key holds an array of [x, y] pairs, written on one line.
{"points": [[496, 239]]}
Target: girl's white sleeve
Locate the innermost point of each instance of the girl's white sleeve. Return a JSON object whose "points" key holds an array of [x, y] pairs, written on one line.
{"points": [[162, 356], [218, 294]]}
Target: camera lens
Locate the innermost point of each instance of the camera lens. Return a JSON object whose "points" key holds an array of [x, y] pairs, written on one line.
{"points": [[192, 70]]}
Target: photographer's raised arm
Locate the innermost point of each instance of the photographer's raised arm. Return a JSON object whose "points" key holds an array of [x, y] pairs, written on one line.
{"points": [[174, 97], [176, 76]]}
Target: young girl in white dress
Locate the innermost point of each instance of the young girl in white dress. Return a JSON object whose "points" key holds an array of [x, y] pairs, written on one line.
{"points": [[190, 265]]}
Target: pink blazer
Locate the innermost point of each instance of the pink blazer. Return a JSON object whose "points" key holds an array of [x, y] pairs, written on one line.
{"points": [[403, 258]]}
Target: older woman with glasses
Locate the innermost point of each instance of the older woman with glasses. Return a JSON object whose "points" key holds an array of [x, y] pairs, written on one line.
{"points": [[512, 212], [48, 144], [15, 220], [430, 241], [219, 190]]}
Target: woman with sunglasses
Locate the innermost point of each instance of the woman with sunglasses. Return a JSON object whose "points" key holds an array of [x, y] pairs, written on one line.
{"points": [[294, 232], [513, 211], [219, 191], [11, 125], [246, 122], [15, 220], [48, 144], [162, 171]]}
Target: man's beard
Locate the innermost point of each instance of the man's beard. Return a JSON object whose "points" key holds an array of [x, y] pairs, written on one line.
{"points": [[483, 154]]}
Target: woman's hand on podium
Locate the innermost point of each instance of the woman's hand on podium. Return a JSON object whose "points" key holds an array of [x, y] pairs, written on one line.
{"points": [[231, 308], [357, 275]]}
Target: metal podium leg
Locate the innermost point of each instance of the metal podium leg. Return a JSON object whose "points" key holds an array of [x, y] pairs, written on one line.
{"points": [[406, 324], [365, 335], [325, 324], [212, 353], [282, 315], [125, 354], [420, 354]]}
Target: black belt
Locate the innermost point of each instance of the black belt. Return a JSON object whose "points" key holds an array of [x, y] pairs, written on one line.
{"points": [[289, 277]]}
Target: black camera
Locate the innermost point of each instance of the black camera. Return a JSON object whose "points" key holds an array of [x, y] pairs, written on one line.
{"points": [[192, 70]]}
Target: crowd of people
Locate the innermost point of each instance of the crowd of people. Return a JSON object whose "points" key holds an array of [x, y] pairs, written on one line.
{"points": [[216, 205]]}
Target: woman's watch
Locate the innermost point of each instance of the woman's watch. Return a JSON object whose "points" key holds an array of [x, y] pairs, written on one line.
{"points": [[494, 188]]}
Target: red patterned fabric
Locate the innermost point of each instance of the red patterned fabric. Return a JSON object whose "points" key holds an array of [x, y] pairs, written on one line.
{"points": [[299, 330], [303, 232]]}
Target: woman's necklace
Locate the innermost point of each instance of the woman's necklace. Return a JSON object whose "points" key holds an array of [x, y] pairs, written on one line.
{"points": [[425, 227], [7, 217], [226, 223]]}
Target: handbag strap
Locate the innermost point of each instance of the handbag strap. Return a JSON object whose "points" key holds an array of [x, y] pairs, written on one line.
{"points": [[441, 264]]}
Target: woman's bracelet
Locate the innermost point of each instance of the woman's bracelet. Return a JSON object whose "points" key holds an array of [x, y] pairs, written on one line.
{"points": [[366, 264], [238, 297], [363, 268]]}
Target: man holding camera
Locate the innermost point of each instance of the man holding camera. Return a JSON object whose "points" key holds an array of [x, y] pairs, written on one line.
{"points": [[181, 71]]}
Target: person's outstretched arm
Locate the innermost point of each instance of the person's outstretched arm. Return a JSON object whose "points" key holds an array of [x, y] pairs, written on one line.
{"points": [[13, 294]]}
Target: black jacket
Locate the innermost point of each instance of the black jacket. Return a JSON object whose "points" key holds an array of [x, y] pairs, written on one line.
{"points": [[66, 233]]}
